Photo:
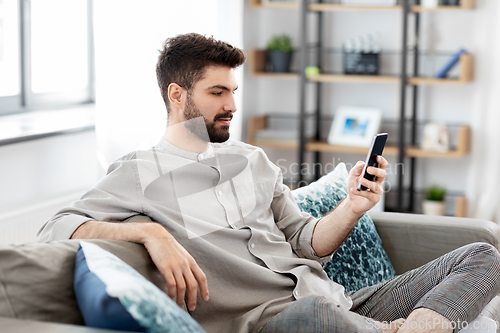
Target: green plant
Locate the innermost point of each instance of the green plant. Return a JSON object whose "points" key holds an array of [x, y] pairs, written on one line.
{"points": [[435, 193], [281, 43]]}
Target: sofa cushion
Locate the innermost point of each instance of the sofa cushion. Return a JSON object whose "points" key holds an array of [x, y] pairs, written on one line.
{"points": [[112, 295], [36, 279], [361, 261]]}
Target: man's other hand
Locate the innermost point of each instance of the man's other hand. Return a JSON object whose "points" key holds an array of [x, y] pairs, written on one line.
{"points": [[181, 272]]}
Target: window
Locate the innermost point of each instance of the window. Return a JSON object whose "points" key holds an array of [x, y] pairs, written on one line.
{"points": [[46, 54]]}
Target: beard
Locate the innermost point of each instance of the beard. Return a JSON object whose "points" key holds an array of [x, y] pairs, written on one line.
{"points": [[193, 122]]}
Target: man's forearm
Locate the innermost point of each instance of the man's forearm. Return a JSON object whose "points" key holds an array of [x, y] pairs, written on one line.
{"points": [[136, 232], [333, 229], [181, 272]]}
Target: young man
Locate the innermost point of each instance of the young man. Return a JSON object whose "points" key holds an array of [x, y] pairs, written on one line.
{"points": [[225, 223]]}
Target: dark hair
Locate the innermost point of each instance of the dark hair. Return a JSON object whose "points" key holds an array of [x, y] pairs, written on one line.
{"points": [[184, 59]]}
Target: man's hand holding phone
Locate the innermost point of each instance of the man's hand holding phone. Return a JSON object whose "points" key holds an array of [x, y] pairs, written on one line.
{"points": [[364, 193]]}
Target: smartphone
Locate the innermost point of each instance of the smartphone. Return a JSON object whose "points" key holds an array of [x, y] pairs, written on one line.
{"points": [[376, 148]]}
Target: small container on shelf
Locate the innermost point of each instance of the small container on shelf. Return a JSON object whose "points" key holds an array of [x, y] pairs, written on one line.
{"points": [[434, 202], [450, 2], [361, 56], [279, 53], [361, 63]]}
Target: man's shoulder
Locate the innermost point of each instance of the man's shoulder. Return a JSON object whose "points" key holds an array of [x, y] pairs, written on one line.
{"points": [[128, 157], [126, 161]]}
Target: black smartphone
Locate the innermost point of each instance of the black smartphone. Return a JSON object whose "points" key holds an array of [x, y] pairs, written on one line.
{"points": [[376, 148]]}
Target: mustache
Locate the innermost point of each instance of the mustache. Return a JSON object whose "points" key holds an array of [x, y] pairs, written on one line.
{"points": [[228, 114]]}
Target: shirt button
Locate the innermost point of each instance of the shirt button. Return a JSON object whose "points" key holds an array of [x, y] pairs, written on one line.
{"points": [[252, 245], [219, 193], [296, 293], [201, 156]]}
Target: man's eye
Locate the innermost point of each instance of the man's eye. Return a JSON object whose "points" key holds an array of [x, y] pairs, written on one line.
{"points": [[217, 93]]}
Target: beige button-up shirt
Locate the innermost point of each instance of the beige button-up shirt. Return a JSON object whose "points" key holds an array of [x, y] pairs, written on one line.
{"points": [[229, 208]]}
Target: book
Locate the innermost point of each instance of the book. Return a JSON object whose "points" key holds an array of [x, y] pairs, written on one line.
{"points": [[441, 74]]}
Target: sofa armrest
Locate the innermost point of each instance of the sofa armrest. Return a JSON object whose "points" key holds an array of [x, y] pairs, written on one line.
{"points": [[412, 240]]}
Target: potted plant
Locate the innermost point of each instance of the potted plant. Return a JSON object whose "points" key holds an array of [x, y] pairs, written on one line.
{"points": [[434, 203], [279, 51]]}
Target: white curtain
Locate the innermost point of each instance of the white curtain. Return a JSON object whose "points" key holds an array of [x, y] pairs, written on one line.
{"points": [[128, 34], [484, 176]]}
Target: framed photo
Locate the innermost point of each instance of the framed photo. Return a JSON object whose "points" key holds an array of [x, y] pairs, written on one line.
{"points": [[354, 126], [436, 137]]}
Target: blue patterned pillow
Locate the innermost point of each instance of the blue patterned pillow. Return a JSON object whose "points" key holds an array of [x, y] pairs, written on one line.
{"points": [[360, 261], [113, 295]]}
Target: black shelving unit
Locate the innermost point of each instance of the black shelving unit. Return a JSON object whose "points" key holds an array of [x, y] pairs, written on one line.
{"points": [[407, 90]]}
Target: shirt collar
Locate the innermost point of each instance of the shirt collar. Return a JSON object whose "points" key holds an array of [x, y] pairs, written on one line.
{"points": [[184, 153]]}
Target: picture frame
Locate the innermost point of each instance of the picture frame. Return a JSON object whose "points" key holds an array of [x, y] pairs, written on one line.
{"points": [[354, 126], [435, 137]]}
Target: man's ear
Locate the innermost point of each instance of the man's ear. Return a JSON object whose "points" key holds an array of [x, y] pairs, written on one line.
{"points": [[176, 95]]}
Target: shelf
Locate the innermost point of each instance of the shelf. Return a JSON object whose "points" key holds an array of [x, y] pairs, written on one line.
{"points": [[466, 64], [260, 122], [273, 144], [326, 147], [286, 76], [325, 7], [319, 147], [257, 4], [328, 7], [461, 150], [258, 60], [354, 78], [461, 206]]}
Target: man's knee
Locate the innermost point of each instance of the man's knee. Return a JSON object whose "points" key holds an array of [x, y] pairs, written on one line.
{"points": [[313, 310], [485, 258], [485, 250], [307, 314]]}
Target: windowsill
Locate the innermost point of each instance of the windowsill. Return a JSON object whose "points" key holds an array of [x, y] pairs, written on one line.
{"points": [[42, 124]]}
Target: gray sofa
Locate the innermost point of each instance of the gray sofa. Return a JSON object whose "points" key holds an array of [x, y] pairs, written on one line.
{"points": [[36, 287]]}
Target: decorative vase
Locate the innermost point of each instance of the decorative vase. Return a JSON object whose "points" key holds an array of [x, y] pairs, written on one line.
{"points": [[436, 208], [279, 61]]}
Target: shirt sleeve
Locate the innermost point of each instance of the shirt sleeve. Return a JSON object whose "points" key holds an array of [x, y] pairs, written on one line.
{"points": [[113, 199], [297, 226]]}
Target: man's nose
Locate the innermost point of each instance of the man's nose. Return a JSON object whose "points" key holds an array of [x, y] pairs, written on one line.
{"points": [[230, 104]]}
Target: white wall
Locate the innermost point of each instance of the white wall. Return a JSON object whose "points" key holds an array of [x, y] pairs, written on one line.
{"points": [[443, 31], [40, 177]]}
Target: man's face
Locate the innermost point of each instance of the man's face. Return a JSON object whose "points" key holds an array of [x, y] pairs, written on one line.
{"points": [[212, 98]]}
